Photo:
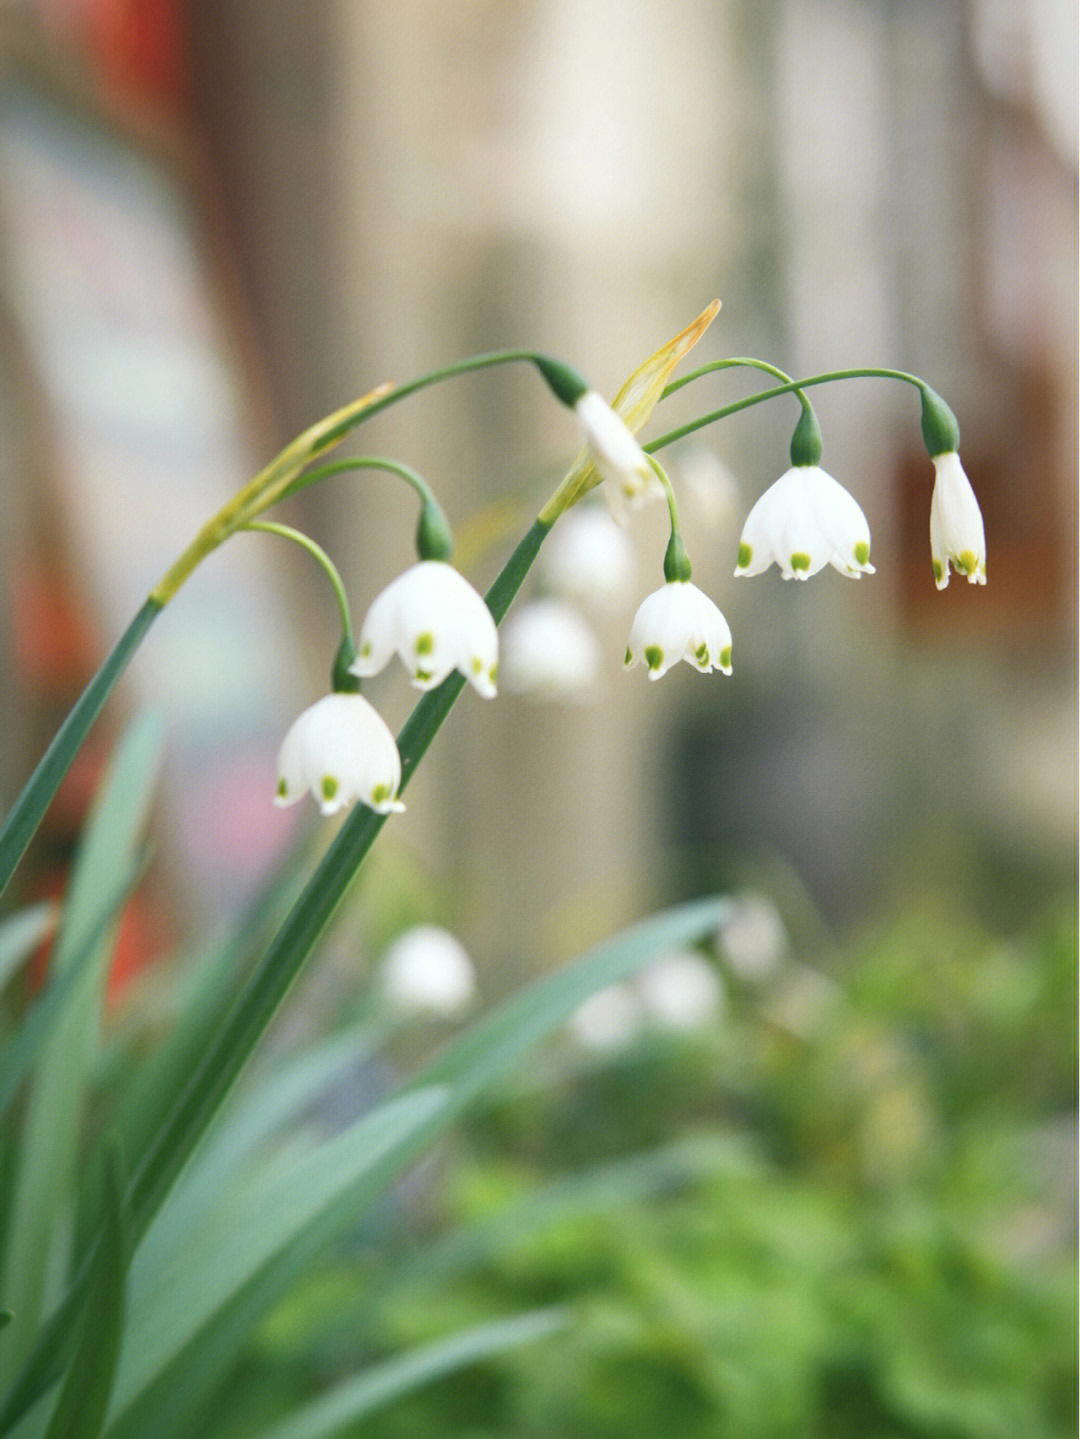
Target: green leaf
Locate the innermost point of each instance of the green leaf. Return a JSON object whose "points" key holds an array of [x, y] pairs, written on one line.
{"points": [[202, 1289], [20, 935], [28, 810], [380, 1385], [84, 1395], [190, 1290], [39, 1021], [46, 1172]]}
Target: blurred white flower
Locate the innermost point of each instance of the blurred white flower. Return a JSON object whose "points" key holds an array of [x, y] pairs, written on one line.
{"points": [[803, 522], [427, 971], [550, 653], [608, 1020], [682, 991], [754, 939], [434, 619], [588, 558], [679, 622], [707, 489], [956, 524], [341, 750]]}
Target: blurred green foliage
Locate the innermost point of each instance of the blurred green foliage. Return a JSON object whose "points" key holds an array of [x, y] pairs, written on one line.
{"points": [[844, 1209]]}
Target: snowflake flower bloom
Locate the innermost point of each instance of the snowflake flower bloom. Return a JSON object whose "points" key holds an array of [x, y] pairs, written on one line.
{"points": [[341, 750], [805, 521], [588, 558], [550, 653], [956, 524], [436, 622], [629, 479], [427, 970], [675, 623], [682, 991]]}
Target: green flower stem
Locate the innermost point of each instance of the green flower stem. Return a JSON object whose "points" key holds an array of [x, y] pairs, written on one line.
{"points": [[676, 560], [363, 462], [792, 387], [279, 476], [28, 810], [286, 532], [258, 1002]]}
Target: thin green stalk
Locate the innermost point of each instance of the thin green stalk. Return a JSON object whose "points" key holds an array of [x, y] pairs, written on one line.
{"points": [[29, 809], [259, 1000], [286, 532], [792, 387], [363, 462]]}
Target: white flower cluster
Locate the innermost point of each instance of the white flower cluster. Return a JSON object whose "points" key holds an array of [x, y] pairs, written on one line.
{"points": [[341, 750]]}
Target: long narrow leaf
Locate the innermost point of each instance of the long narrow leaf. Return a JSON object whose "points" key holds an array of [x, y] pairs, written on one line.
{"points": [[193, 1295], [28, 810], [40, 1020], [474, 1062], [20, 935], [84, 1396], [47, 1160], [380, 1385]]}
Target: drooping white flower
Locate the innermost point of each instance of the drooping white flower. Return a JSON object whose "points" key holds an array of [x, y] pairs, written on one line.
{"points": [[679, 622], [629, 479], [434, 619], [549, 652], [341, 750], [803, 522], [427, 970], [682, 991], [708, 490], [754, 939], [608, 1020], [588, 558], [956, 524]]}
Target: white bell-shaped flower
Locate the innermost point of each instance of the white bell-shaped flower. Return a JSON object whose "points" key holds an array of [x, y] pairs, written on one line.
{"points": [[682, 991], [341, 750], [434, 619], [629, 479], [550, 653], [679, 622], [956, 524], [588, 558], [427, 970], [803, 522]]}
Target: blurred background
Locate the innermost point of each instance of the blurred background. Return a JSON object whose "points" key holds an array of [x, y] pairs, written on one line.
{"points": [[220, 221]]}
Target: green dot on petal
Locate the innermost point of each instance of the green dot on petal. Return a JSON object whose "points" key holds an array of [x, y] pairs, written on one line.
{"points": [[424, 675], [702, 653], [746, 554], [725, 658], [939, 570], [425, 643], [862, 553], [628, 658], [967, 562], [365, 649], [478, 666], [328, 786], [800, 561], [282, 789], [654, 656], [380, 794]]}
